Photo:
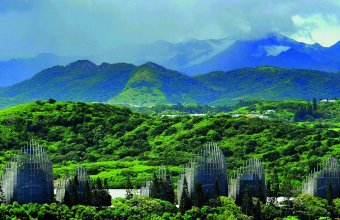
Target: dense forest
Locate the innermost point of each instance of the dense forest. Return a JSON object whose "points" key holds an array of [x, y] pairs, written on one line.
{"points": [[303, 207], [125, 147], [113, 142]]}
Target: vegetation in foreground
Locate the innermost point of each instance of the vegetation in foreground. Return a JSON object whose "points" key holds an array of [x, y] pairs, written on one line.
{"points": [[303, 207], [113, 142]]}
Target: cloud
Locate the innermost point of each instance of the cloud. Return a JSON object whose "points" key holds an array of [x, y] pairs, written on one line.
{"points": [[275, 50], [316, 28], [83, 27]]}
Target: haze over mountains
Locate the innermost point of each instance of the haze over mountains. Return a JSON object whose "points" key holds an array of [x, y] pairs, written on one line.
{"points": [[171, 55], [151, 84], [16, 70], [194, 57], [175, 56], [274, 50]]}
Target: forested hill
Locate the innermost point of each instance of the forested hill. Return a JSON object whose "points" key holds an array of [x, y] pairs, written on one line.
{"points": [[112, 141], [116, 83], [270, 83], [151, 84]]}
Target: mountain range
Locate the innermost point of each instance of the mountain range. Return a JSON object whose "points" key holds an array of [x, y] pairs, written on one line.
{"points": [[151, 84], [171, 55], [194, 57], [273, 50]]}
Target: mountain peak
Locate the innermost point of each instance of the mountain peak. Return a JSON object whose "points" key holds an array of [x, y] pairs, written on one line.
{"points": [[279, 38], [154, 66], [82, 64]]}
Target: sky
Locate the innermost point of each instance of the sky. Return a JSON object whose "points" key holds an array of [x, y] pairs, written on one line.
{"points": [[85, 27]]}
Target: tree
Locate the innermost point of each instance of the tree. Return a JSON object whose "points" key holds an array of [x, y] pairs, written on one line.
{"points": [[129, 188], [216, 189], [287, 191], [309, 109], [99, 195], [257, 210], [74, 190], [217, 192], [287, 187], [51, 101], [67, 199], [155, 192], [269, 193], [198, 197], [330, 194], [270, 211], [99, 184], [247, 201], [330, 199], [93, 185], [185, 202], [268, 188], [275, 185], [310, 207], [300, 114], [260, 194], [2, 196], [336, 203], [87, 198], [103, 198], [315, 104], [106, 185], [169, 189]]}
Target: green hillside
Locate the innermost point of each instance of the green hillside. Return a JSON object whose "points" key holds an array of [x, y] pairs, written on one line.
{"points": [[78, 81], [270, 83], [151, 84], [82, 80], [113, 141]]}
